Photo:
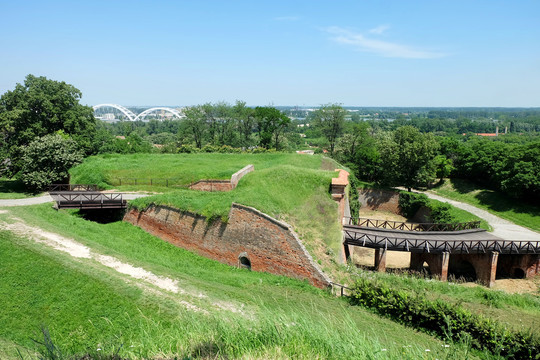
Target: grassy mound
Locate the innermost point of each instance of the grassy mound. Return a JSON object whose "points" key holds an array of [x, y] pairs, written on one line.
{"points": [[95, 310]]}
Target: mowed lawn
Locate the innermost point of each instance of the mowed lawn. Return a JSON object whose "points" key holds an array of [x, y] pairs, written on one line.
{"points": [[233, 313], [179, 169]]}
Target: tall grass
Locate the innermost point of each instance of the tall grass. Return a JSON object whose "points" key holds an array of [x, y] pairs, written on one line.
{"points": [[93, 310]]}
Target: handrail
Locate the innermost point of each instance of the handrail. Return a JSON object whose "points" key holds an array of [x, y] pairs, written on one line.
{"points": [[409, 226]]}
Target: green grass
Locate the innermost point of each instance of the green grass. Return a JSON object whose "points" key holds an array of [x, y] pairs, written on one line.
{"points": [[13, 189], [105, 170], [463, 216], [497, 203], [86, 307], [519, 311]]}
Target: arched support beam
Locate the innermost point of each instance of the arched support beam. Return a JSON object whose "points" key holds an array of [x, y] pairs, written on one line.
{"points": [[175, 112], [130, 115]]}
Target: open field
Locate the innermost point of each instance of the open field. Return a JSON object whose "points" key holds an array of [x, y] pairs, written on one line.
{"points": [[217, 312], [518, 212]]}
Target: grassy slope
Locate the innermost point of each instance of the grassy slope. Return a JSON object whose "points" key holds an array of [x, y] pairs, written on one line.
{"points": [[87, 307], [182, 168], [492, 201]]}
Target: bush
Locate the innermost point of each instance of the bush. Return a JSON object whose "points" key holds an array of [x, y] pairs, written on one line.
{"points": [[448, 321], [410, 203], [47, 159], [440, 214], [354, 203]]}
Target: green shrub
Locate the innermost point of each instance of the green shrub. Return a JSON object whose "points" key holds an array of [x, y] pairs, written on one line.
{"points": [[410, 203], [440, 214], [354, 203], [448, 321]]}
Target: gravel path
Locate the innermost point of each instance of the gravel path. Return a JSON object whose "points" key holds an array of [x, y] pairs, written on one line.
{"points": [[502, 228]]}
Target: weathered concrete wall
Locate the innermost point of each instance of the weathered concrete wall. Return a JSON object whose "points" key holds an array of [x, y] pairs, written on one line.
{"points": [[235, 178], [381, 200], [270, 245]]}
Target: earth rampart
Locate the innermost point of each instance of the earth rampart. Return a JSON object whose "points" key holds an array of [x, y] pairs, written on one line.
{"points": [[250, 238]]}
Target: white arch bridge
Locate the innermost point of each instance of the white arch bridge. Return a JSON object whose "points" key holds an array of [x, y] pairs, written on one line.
{"points": [[131, 116]]}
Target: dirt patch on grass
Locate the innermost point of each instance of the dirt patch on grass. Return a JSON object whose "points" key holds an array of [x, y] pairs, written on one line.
{"points": [[380, 215]]}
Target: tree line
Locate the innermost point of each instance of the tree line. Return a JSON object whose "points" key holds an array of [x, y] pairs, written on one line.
{"points": [[43, 127]]}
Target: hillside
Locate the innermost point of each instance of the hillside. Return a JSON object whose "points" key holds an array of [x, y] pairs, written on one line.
{"points": [[214, 311]]}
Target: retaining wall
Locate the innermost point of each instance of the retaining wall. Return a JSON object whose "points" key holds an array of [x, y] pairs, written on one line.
{"points": [[380, 200], [268, 245], [222, 185]]}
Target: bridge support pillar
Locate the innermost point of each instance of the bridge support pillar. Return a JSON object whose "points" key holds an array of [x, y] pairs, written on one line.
{"points": [[380, 260], [486, 268], [438, 263], [346, 253]]}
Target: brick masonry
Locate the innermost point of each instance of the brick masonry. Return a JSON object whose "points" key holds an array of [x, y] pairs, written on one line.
{"points": [[222, 185], [270, 245]]}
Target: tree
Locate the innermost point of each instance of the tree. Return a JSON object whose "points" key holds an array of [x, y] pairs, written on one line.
{"points": [[196, 123], [47, 159], [406, 157], [330, 119], [246, 120], [39, 107], [443, 167], [271, 123]]}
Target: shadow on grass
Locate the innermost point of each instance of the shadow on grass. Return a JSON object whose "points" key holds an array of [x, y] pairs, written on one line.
{"points": [[14, 186], [494, 200]]}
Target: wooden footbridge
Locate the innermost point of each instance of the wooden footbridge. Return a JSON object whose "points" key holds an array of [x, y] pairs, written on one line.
{"points": [[444, 245], [86, 197]]}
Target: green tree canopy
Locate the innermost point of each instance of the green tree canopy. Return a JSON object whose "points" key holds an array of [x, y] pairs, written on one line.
{"points": [[407, 157], [39, 107], [271, 123], [330, 119], [47, 159]]}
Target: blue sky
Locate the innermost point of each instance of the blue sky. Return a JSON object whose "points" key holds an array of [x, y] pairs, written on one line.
{"points": [[365, 53]]}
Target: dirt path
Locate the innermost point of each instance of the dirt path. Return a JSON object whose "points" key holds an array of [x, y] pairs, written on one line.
{"points": [[502, 228]]}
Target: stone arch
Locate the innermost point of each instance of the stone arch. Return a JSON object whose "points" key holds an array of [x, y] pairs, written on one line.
{"points": [[518, 273], [243, 261]]}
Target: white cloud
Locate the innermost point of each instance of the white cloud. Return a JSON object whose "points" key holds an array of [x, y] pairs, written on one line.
{"points": [[383, 48], [287, 18], [379, 29]]}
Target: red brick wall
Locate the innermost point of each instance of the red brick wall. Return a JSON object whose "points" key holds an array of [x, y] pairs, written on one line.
{"points": [[212, 185], [271, 246]]}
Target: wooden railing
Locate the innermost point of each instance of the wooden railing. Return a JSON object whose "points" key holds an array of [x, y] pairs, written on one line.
{"points": [[89, 200], [407, 226], [357, 236]]}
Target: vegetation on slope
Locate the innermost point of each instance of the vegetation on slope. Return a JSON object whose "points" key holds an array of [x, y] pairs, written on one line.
{"points": [[94, 310], [497, 203]]}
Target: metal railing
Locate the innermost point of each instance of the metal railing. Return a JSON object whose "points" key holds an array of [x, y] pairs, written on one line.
{"points": [[408, 226], [90, 200]]}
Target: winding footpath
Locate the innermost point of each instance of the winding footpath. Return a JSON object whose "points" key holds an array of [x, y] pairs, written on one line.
{"points": [[502, 228]]}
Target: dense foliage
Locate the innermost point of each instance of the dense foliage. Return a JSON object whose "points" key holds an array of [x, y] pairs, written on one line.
{"points": [[47, 159], [450, 322], [37, 108]]}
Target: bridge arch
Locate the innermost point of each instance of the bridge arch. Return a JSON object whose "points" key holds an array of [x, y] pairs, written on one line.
{"points": [[130, 115], [142, 115]]}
